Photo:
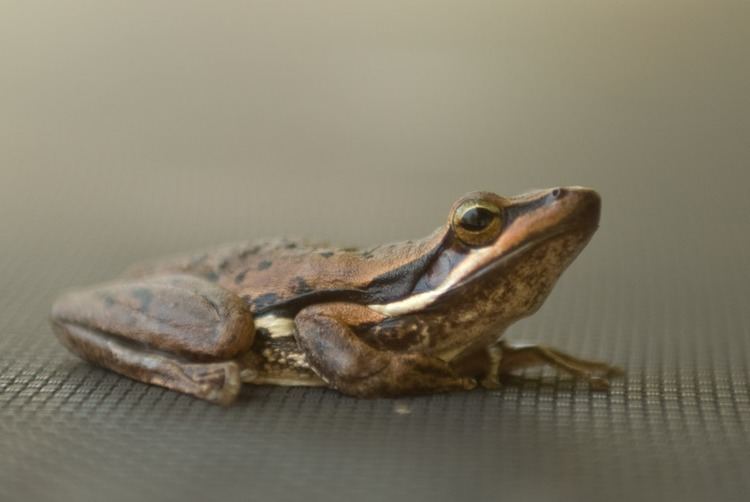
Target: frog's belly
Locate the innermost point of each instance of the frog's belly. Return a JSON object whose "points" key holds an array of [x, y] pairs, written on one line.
{"points": [[275, 357]]}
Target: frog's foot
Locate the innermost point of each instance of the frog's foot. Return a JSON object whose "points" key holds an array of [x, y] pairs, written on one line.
{"points": [[215, 382], [179, 332], [513, 359]]}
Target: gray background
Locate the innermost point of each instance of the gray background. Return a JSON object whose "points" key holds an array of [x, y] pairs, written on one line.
{"points": [[133, 129]]}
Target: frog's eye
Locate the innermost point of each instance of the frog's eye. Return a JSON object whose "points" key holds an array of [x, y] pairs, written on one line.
{"points": [[477, 222]]}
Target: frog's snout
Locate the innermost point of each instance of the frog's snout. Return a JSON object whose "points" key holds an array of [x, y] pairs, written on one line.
{"points": [[584, 204]]}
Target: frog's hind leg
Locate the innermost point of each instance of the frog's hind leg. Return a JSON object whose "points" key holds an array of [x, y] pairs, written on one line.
{"points": [[216, 382], [179, 332]]}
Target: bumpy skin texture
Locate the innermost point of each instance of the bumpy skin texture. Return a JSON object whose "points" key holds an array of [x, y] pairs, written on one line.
{"points": [[398, 319]]}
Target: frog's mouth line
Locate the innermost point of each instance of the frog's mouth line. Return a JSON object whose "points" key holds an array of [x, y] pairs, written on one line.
{"points": [[523, 249]]}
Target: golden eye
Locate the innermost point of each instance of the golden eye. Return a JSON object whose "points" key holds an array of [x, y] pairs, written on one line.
{"points": [[477, 222]]}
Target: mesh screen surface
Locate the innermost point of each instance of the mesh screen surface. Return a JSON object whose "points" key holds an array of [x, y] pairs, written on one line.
{"points": [[151, 129], [676, 425]]}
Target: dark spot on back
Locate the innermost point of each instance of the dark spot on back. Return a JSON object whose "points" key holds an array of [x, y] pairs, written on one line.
{"points": [[300, 286], [248, 252], [290, 245], [143, 295], [211, 276], [240, 277], [326, 254], [264, 264]]}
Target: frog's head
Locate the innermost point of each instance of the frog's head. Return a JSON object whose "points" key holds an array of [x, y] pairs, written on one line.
{"points": [[529, 239], [498, 261]]}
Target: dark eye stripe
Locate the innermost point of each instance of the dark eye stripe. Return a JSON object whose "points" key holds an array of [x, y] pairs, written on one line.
{"points": [[477, 218]]}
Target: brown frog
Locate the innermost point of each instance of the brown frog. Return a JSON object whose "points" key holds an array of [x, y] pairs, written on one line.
{"points": [[412, 317]]}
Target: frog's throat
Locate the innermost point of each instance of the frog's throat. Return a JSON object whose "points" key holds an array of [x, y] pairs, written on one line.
{"points": [[466, 272]]}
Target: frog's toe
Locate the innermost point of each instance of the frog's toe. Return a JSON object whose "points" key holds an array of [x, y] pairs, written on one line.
{"points": [[598, 383], [216, 382], [468, 383], [614, 372]]}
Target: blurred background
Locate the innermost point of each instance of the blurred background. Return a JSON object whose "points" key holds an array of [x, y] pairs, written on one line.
{"points": [[134, 129]]}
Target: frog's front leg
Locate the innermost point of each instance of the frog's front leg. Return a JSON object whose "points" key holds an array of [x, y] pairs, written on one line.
{"points": [[500, 360], [178, 331], [350, 365]]}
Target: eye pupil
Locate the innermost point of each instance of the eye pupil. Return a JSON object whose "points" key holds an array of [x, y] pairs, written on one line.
{"points": [[476, 218]]}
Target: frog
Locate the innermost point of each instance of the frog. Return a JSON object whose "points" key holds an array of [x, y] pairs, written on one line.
{"points": [[413, 317]]}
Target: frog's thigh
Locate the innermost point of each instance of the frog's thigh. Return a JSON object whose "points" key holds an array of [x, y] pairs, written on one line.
{"points": [[194, 326], [178, 314]]}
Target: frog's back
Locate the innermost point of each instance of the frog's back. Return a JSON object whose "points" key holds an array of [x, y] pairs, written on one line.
{"points": [[286, 271], [251, 269]]}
